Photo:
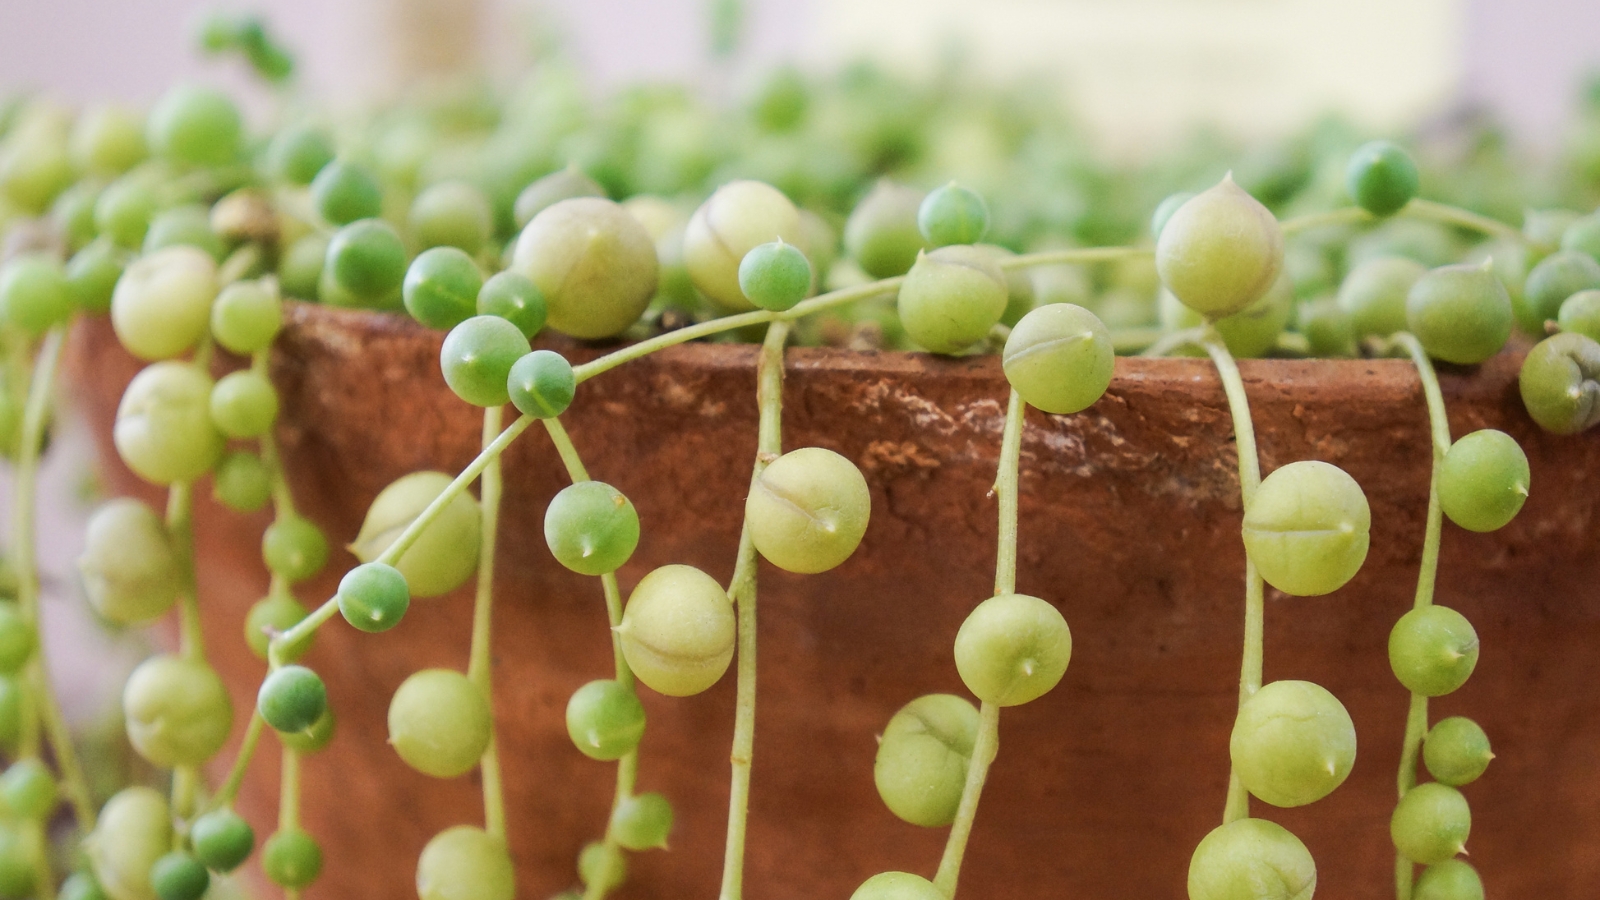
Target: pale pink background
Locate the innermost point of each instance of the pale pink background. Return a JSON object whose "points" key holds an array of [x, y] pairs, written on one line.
{"points": [[1522, 56]]}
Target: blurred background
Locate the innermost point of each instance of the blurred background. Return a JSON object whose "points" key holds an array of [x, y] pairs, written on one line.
{"points": [[1138, 71]]}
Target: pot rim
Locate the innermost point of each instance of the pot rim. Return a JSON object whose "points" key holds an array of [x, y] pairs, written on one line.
{"points": [[1353, 375]]}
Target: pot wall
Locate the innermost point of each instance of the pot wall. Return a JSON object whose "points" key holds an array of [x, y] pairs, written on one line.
{"points": [[1129, 524]]}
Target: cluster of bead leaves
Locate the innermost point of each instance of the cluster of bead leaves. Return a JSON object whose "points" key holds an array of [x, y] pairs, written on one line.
{"points": [[179, 280]]}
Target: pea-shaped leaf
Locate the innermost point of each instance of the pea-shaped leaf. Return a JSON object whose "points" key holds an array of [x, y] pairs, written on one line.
{"points": [[678, 631], [882, 234], [1306, 528], [1560, 383], [605, 719], [1453, 879], [923, 755], [1220, 251], [591, 528], [737, 218], [177, 711], [1012, 648], [897, 886], [164, 430], [1430, 823], [1484, 480], [1251, 859], [1381, 177], [1456, 751], [464, 861], [808, 510], [1059, 358], [594, 263], [1433, 650], [1292, 743], [130, 573], [445, 554], [1461, 314], [439, 723], [1374, 294], [162, 304], [642, 822], [133, 831], [952, 297]]}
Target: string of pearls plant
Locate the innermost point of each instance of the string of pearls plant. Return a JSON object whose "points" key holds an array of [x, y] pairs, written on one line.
{"points": [[192, 237]]}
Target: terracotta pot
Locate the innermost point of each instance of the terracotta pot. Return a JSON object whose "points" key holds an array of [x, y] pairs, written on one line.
{"points": [[1129, 523]]}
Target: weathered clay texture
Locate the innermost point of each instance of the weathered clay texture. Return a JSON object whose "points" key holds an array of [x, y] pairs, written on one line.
{"points": [[1129, 523]]}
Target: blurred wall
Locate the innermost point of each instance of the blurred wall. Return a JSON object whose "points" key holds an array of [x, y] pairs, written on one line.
{"points": [[1525, 58], [1140, 70]]}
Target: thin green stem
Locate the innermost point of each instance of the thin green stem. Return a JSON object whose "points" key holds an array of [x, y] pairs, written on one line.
{"points": [[728, 323], [180, 528], [73, 781], [627, 776], [742, 594], [1416, 729], [330, 607], [671, 339], [289, 801], [494, 801], [45, 713], [564, 448], [300, 632], [1238, 805], [282, 498], [1177, 340], [1427, 576], [241, 763], [35, 415], [984, 748], [185, 798], [830, 300], [289, 790], [1244, 431], [628, 765], [987, 743], [25, 510], [39, 707], [1439, 428], [1005, 489], [1350, 215], [479, 664], [489, 493], [1419, 208], [613, 593]]}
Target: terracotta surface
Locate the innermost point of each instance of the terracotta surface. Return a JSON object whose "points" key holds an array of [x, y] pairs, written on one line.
{"points": [[1129, 523]]}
